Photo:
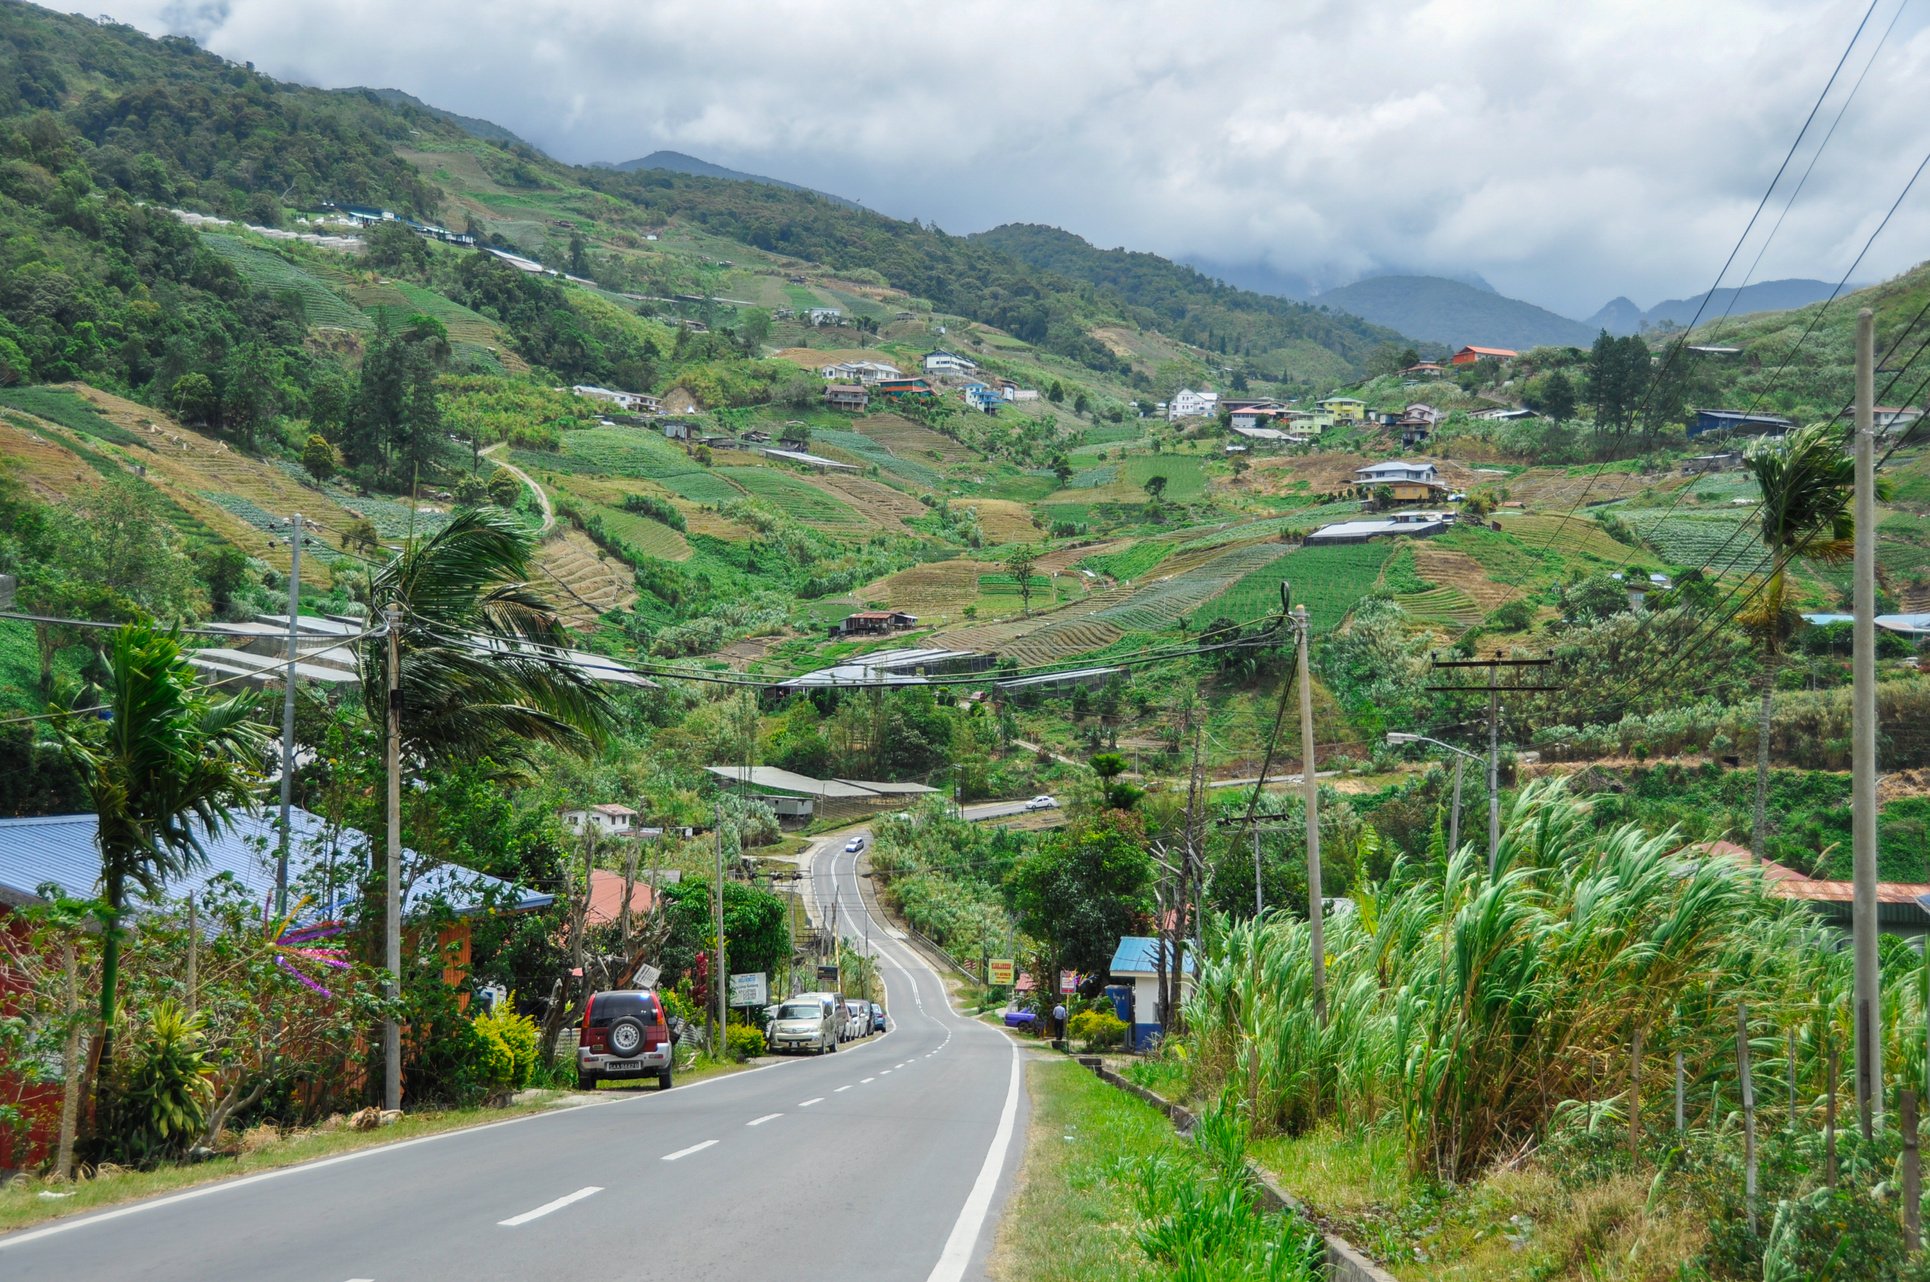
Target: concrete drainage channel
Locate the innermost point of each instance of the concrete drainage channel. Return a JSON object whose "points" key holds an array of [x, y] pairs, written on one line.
{"points": [[1344, 1262]]}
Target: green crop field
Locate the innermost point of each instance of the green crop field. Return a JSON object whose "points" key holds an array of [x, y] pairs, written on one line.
{"points": [[1131, 563], [1719, 543], [862, 447], [1162, 604], [58, 405], [1328, 580], [1449, 606], [265, 269], [1185, 477], [796, 498], [652, 538]]}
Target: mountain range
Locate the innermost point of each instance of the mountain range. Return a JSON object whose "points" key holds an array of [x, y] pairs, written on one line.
{"points": [[1623, 317], [677, 162]]}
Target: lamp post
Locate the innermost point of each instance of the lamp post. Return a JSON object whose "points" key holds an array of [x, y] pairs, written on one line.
{"points": [[1397, 737]]}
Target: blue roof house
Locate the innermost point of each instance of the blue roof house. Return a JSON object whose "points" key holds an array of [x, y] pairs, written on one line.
{"points": [[1136, 961]]}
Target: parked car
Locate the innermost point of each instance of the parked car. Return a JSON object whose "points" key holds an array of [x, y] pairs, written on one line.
{"points": [[877, 1018], [624, 1035], [858, 1016], [853, 846], [1020, 1019], [1042, 802], [805, 1023]]}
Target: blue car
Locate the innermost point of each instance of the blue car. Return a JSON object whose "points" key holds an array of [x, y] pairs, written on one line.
{"points": [[1019, 1018], [877, 1018]]}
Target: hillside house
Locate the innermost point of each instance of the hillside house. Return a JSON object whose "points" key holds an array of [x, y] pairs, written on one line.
{"points": [[824, 316], [629, 402], [873, 623], [916, 388], [1731, 421], [1470, 354], [1426, 369], [1411, 525], [1892, 418], [944, 362], [1345, 409], [1187, 403], [676, 430], [1135, 968], [849, 397], [1409, 482], [1505, 414], [607, 819], [1257, 416]]}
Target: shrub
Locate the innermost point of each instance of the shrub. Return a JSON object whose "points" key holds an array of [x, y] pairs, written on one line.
{"points": [[518, 1035], [495, 1063], [743, 1042], [161, 1105], [1098, 1029]]}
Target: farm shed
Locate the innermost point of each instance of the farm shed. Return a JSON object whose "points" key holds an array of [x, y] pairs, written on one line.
{"points": [[1413, 525]]}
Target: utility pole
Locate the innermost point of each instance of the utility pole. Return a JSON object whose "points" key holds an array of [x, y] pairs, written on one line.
{"points": [[1494, 690], [288, 710], [392, 880], [1310, 802], [1454, 812], [722, 980], [1868, 984]]}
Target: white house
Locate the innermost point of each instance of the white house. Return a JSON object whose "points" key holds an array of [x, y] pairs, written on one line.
{"points": [[864, 372], [944, 362], [1888, 418], [1398, 471], [824, 315], [631, 402], [1187, 403], [607, 819]]}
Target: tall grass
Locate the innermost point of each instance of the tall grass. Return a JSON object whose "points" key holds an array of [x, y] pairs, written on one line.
{"points": [[1472, 1011]]}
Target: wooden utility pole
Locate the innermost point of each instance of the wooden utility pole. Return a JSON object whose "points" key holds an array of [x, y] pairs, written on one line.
{"points": [[1310, 800], [288, 709], [1868, 985], [392, 879], [1494, 690]]}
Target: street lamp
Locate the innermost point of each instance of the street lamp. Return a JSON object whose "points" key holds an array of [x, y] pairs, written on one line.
{"points": [[1397, 737]]}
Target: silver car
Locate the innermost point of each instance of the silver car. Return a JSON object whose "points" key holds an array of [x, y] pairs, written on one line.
{"points": [[857, 1020], [805, 1023]]}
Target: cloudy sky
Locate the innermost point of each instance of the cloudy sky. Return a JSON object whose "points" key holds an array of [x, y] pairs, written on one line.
{"points": [[1567, 153]]}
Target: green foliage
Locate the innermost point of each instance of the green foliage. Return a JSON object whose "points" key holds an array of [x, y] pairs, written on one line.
{"points": [[1098, 1029], [160, 1102], [654, 508], [518, 1037], [742, 1042], [1083, 887]]}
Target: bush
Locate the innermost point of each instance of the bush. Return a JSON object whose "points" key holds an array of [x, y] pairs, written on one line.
{"points": [[742, 1042], [495, 1063], [518, 1035], [161, 1104], [1098, 1029]]}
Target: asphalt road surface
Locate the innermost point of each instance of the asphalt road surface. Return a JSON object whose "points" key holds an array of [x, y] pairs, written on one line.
{"points": [[889, 1159]]}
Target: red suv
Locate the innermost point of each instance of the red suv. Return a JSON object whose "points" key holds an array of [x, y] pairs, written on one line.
{"points": [[624, 1035]]}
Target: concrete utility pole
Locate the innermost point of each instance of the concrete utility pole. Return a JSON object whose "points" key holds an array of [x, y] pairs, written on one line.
{"points": [[392, 880], [1454, 812], [1310, 795], [722, 980], [288, 710], [1868, 986], [1494, 690]]}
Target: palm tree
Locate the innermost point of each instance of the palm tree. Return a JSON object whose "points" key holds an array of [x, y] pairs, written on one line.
{"points": [[1808, 483], [480, 675], [164, 763]]}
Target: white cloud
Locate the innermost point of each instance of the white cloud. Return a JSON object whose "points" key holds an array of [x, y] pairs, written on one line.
{"points": [[1566, 153]]}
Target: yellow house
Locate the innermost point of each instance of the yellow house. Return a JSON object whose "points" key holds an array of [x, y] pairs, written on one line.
{"points": [[1345, 409]]}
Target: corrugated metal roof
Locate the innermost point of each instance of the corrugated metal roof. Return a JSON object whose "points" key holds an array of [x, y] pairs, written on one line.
{"points": [[61, 850], [1139, 955]]}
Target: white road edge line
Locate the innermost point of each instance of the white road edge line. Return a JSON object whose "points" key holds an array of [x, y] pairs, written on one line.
{"points": [[957, 1255], [547, 1207], [807, 1103], [759, 1121], [686, 1152]]}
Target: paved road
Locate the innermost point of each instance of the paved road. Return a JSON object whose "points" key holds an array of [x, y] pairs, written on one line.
{"points": [[886, 1160]]}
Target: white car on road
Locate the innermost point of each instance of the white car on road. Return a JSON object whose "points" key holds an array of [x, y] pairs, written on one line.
{"points": [[853, 846], [1042, 802]]}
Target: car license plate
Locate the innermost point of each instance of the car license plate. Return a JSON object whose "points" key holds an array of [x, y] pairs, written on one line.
{"points": [[621, 1064]]}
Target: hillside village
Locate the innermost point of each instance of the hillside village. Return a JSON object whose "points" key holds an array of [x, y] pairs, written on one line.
{"points": [[662, 563]]}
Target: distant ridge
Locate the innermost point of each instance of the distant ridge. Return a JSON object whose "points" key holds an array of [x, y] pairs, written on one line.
{"points": [[1763, 296], [1440, 310], [1619, 316], [487, 130], [677, 163]]}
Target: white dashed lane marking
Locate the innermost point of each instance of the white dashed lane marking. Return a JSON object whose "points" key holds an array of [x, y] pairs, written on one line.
{"points": [[547, 1207], [759, 1121], [686, 1152], [807, 1103]]}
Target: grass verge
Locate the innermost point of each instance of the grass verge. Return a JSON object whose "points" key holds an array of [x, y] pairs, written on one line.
{"points": [[1109, 1191]]}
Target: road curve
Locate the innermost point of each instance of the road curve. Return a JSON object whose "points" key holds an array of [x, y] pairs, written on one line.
{"points": [[887, 1160]]}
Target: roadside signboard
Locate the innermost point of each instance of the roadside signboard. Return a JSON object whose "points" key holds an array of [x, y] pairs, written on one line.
{"points": [[749, 990], [646, 977], [1068, 981], [998, 970], [828, 978]]}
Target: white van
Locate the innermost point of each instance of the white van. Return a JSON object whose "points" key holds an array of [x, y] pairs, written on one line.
{"points": [[806, 1022]]}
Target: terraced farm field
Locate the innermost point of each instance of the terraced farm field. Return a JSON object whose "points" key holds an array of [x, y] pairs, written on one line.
{"points": [[652, 538], [912, 441], [1328, 580], [1461, 573], [1450, 607], [1720, 543], [888, 507], [1581, 535], [937, 592], [1003, 521], [1133, 562], [583, 582], [796, 497], [1163, 603], [864, 449], [265, 269]]}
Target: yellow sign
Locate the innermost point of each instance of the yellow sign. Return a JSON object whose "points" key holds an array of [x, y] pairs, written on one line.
{"points": [[998, 970]]}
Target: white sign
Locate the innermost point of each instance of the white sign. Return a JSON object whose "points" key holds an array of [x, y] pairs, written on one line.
{"points": [[749, 990], [646, 977]]}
